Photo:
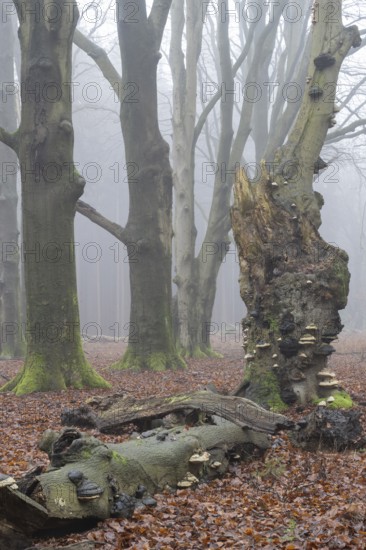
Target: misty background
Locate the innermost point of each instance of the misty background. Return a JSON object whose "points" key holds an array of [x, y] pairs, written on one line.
{"points": [[102, 262]]}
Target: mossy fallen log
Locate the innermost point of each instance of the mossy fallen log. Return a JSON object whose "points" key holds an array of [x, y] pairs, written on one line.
{"points": [[90, 480], [111, 414], [116, 472], [156, 462]]}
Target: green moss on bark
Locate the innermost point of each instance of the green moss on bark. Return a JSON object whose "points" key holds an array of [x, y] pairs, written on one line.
{"points": [[199, 352], [157, 361], [119, 458], [342, 400], [265, 388], [37, 376], [341, 281], [209, 352]]}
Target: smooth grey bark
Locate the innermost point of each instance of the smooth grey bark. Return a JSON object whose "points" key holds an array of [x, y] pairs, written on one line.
{"points": [[10, 317], [148, 232], [184, 73], [197, 274], [149, 226], [230, 152]]}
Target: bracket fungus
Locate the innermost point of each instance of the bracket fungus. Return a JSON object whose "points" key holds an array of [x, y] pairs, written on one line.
{"points": [[263, 345], [323, 61], [202, 457], [324, 349], [187, 481], [215, 464], [85, 489], [327, 381], [8, 481], [307, 340], [315, 92]]}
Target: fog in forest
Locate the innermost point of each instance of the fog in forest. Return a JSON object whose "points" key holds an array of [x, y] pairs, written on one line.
{"points": [[102, 268], [264, 87], [183, 238]]}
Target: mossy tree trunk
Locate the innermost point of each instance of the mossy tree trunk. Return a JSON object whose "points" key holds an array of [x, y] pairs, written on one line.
{"points": [[292, 282], [149, 227], [10, 320], [148, 233], [50, 189]]}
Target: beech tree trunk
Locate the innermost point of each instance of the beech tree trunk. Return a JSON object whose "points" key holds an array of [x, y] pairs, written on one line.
{"points": [[50, 189], [149, 228], [293, 282], [187, 15], [10, 319], [148, 233], [196, 275]]}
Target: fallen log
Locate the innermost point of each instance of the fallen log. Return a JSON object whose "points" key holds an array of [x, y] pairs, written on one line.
{"points": [[112, 414], [91, 480], [110, 476], [20, 517]]}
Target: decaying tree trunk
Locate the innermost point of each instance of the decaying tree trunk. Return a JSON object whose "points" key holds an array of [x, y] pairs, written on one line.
{"points": [[330, 429], [89, 479], [293, 282], [111, 414]]}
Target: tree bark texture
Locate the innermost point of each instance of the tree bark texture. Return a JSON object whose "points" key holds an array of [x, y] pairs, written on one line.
{"points": [[10, 318], [50, 188], [149, 228], [293, 282], [177, 457]]}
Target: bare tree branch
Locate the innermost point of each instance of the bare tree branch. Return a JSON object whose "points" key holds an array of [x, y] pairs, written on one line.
{"points": [[343, 131], [100, 56], [158, 17], [94, 216], [10, 139], [211, 104], [346, 136]]}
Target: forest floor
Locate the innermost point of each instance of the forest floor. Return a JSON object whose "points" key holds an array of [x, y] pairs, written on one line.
{"points": [[290, 498]]}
